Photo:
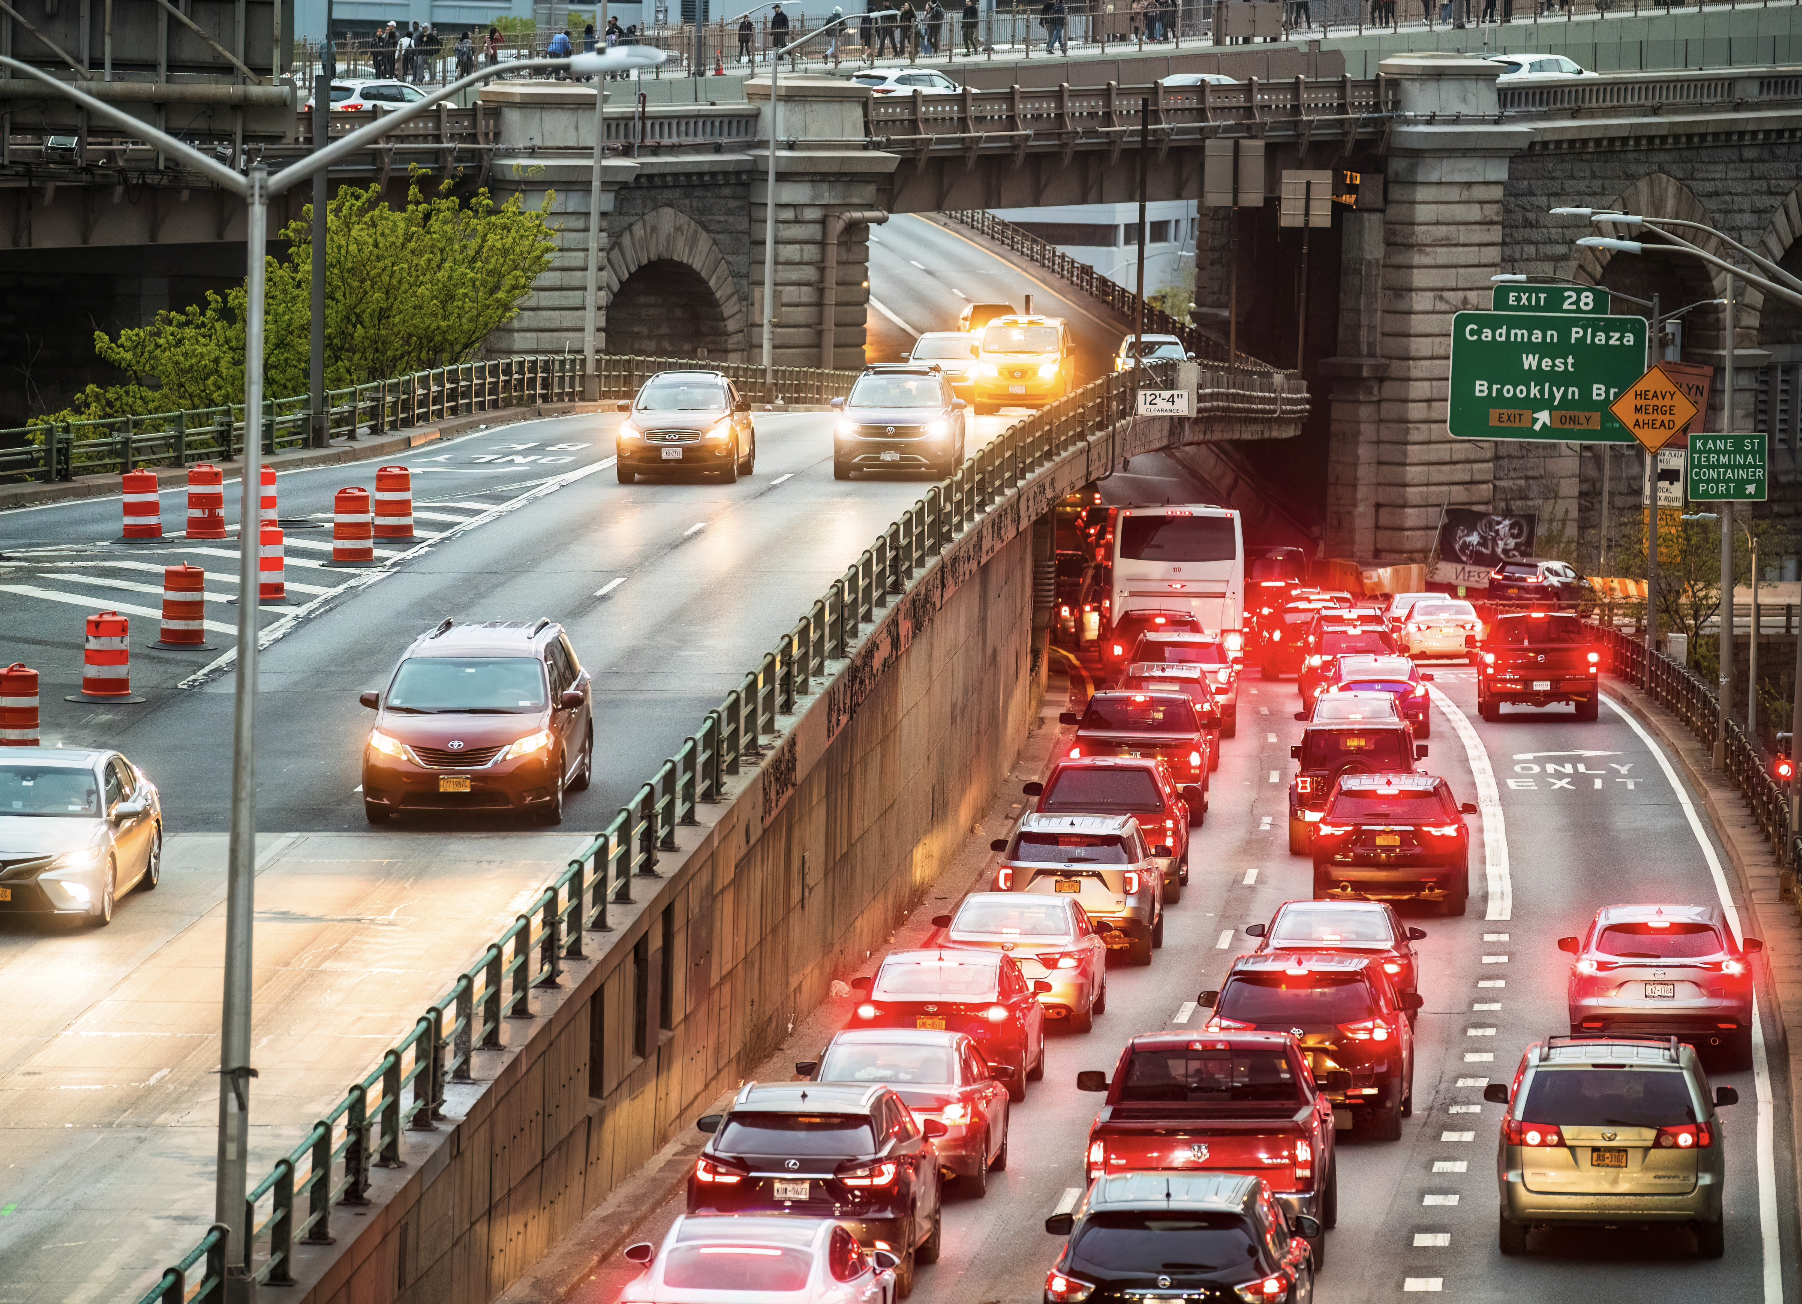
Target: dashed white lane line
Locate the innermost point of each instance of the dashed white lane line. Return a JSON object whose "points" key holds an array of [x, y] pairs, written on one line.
{"points": [[779, 479], [1473, 1082], [1464, 1109], [1067, 1201], [1479, 1032], [1264, 824], [1432, 1240], [912, 263], [1478, 1007], [883, 309], [1769, 1233], [959, 293], [1262, 710], [1495, 937], [1183, 1012], [1438, 1199], [1274, 778], [1226, 940], [1475, 1057], [1457, 1136], [696, 528], [1269, 737], [1251, 876], [1495, 959], [1451, 1165], [1489, 806], [1492, 982], [609, 586], [1424, 1285]]}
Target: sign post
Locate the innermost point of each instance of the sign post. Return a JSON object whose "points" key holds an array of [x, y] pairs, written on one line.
{"points": [[1728, 468], [1542, 375]]}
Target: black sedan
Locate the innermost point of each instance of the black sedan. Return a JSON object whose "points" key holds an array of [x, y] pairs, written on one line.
{"points": [[77, 830], [683, 422], [899, 418]]}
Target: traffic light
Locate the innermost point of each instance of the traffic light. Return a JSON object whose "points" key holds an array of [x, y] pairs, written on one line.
{"points": [[1783, 768]]}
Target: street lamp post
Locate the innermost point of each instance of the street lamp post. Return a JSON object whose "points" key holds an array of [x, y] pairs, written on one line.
{"points": [[256, 188]]}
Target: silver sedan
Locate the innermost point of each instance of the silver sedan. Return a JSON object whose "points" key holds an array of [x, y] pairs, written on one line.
{"points": [[77, 829]]}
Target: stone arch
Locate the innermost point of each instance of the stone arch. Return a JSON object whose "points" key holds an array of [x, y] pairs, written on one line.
{"points": [[1781, 242], [676, 268]]}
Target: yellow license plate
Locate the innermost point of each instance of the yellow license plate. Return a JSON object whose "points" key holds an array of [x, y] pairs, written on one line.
{"points": [[6, 894], [1069, 885], [1607, 1158], [453, 783], [926, 1021], [1389, 840]]}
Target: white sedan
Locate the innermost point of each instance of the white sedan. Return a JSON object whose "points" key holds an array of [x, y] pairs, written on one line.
{"points": [[373, 96], [1182, 80], [1153, 348], [904, 81], [1516, 67], [737, 1260], [1438, 626]]}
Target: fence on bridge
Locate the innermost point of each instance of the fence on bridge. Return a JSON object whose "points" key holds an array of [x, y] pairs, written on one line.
{"points": [[407, 1088]]}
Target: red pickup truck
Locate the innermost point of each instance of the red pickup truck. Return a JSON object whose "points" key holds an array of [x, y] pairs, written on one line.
{"points": [[1239, 1102], [1536, 658]]}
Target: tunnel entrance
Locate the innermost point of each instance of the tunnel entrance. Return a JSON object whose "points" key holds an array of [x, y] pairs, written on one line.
{"points": [[666, 309]]}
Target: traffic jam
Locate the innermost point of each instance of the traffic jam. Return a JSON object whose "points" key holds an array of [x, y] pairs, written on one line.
{"points": [[1225, 1137]]}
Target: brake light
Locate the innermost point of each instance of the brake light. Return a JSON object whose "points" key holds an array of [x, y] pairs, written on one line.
{"points": [[1587, 967], [1420, 690], [1594, 658], [1132, 881], [1234, 640], [1076, 752], [1391, 968], [1119, 651], [995, 1014], [1052, 960], [1442, 830], [1542, 1136], [1489, 658], [1304, 1159], [1275, 1286], [1333, 830], [1004, 879], [708, 1171], [867, 1011], [1688, 1136], [1366, 1030], [1303, 784], [1195, 760], [1733, 968], [875, 1175], [1064, 610], [1060, 1289], [1097, 1158]]}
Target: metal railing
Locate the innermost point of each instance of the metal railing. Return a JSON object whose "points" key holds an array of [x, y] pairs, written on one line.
{"points": [[119, 444], [407, 1088]]}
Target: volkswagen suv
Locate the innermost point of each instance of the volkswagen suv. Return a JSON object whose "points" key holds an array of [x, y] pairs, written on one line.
{"points": [[899, 418]]}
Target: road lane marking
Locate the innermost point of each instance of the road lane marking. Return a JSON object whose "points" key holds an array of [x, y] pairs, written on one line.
{"points": [[1067, 1201], [779, 479], [1495, 937], [1226, 940], [1495, 959], [126, 608], [1273, 777], [1251, 876], [1432, 1240], [1425, 1285], [1264, 826], [1479, 1032], [1457, 1136], [877, 305], [1489, 805], [1262, 710], [959, 293], [1437, 1199], [609, 586], [696, 528], [1464, 1109], [921, 266], [1478, 1057], [1473, 1082], [1183, 1012], [1768, 1230], [1269, 737], [1485, 1005], [1492, 982], [420, 514], [1451, 1165]]}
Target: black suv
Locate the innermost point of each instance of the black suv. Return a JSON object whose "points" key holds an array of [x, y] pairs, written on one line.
{"points": [[1552, 584], [826, 1150], [1351, 1022], [1199, 1236], [1331, 749], [683, 422], [899, 418]]}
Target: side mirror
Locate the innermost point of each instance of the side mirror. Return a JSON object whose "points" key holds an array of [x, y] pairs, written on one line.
{"points": [[1091, 1080], [126, 810], [1192, 792], [1295, 752], [1726, 1096], [1568, 944], [710, 1122], [958, 405], [1426, 679], [1417, 934], [1303, 717], [1496, 1093], [837, 405], [862, 983], [1068, 717], [1163, 849], [1467, 808], [1033, 789], [570, 698], [1040, 986], [1411, 1001], [624, 405], [643, 1252], [941, 921], [806, 1068], [1060, 1224], [371, 700], [1256, 930], [1751, 946], [1208, 999], [932, 1129], [885, 1261], [1001, 1072], [999, 844], [1305, 1226], [1420, 751]]}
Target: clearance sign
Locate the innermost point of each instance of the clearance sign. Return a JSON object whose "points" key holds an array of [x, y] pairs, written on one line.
{"points": [[1542, 376]]}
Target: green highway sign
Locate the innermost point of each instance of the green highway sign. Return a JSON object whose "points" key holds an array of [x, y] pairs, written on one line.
{"points": [[1584, 300], [1543, 376], [1728, 468]]}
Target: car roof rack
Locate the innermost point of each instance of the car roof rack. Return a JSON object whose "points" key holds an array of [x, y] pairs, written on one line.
{"points": [[1673, 1045], [442, 628], [540, 625]]}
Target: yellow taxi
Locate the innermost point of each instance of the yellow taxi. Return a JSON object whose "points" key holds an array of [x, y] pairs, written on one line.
{"points": [[1026, 360]]}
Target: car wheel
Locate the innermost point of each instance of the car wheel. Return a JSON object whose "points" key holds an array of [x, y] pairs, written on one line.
{"points": [[1173, 889], [1408, 1105], [1317, 1251], [1590, 710], [1016, 1085], [625, 473], [1711, 1240], [1453, 907], [729, 472], [976, 1184], [585, 775], [1387, 1124], [1268, 672], [999, 1163], [153, 867], [1329, 1203], [1083, 1019], [1229, 727], [750, 463], [930, 1247], [1736, 1052], [375, 814], [1157, 933], [102, 913], [551, 813], [1101, 998], [1214, 761], [904, 1271], [1140, 952], [841, 469], [1488, 710], [1512, 1237], [1298, 837], [1037, 1071], [1182, 870]]}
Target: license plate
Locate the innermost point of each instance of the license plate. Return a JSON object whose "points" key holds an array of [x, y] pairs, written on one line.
{"points": [[453, 783], [790, 1190], [1542, 685], [930, 1021], [675, 455], [1607, 1158], [1666, 991], [890, 455], [1069, 885], [6, 894], [1016, 389], [1389, 840]]}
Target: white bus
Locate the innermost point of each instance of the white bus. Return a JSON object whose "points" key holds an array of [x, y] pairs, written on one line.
{"points": [[1187, 559]]}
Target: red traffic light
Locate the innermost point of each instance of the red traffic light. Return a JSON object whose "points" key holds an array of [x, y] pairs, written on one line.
{"points": [[1784, 768]]}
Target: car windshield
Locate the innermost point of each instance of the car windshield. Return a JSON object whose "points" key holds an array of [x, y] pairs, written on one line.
{"points": [[1155, 349], [896, 392], [1387, 804], [1339, 706], [1069, 849], [759, 1133], [1208, 653], [1525, 631], [947, 976], [1141, 713], [1103, 792], [1179, 538], [1333, 925], [1183, 1075], [862, 1062], [1380, 749], [682, 396], [1287, 998], [1443, 611], [29, 789], [1174, 1241], [1656, 940], [770, 1268], [1603, 1097], [934, 349], [1003, 337], [475, 685], [1338, 642], [1021, 915]]}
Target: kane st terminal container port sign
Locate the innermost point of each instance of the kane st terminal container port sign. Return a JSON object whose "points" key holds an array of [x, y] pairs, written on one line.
{"points": [[1546, 376]]}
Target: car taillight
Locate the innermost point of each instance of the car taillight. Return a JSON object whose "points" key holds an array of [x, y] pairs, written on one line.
{"points": [[1195, 760], [1733, 968], [1314, 661], [1004, 879], [1097, 1158], [1076, 751], [1389, 967], [995, 1014], [1132, 881], [1119, 651], [1275, 1286], [1304, 784], [1420, 690], [1304, 1159], [1220, 1023], [956, 1112], [867, 1011], [1054, 960], [708, 1171], [1064, 610], [1366, 1030], [1489, 658], [1594, 658], [1060, 1289], [875, 1175], [1442, 830], [1545, 1136], [1688, 1136], [1333, 830], [1587, 967]]}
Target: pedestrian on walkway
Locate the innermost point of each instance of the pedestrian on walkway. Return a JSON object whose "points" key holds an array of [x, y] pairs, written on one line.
{"points": [[1138, 18], [935, 26], [587, 38], [492, 46], [560, 48], [835, 33], [866, 31], [778, 29], [466, 56], [972, 26], [907, 31], [746, 34], [888, 30], [1055, 17]]}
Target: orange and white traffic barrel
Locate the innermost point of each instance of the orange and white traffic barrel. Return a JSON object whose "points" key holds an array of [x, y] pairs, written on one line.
{"points": [[393, 503], [18, 706], [206, 502], [184, 607], [266, 503], [352, 535], [272, 584], [143, 505], [106, 661]]}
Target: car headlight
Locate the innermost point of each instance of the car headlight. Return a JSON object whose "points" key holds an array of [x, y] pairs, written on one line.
{"points": [[847, 428], [938, 429], [721, 432], [77, 861], [73, 893], [1047, 370], [526, 746], [988, 369], [385, 745], [629, 431]]}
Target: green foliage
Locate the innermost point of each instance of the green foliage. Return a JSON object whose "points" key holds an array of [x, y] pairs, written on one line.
{"points": [[406, 289], [1176, 299], [1689, 564], [515, 29]]}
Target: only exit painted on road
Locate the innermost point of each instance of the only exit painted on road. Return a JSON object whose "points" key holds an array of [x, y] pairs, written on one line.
{"points": [[1542, 376]]}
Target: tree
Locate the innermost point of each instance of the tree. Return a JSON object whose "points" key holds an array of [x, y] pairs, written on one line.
{"points": [[406, 289], [1689, 564]]}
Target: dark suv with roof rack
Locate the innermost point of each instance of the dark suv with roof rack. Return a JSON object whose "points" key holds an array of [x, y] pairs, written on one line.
{"points": [[1330, 750], [495, 715], [899, 417], [1394, 837], [683, 422]]}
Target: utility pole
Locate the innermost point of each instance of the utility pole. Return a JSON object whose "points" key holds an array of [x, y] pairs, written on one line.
{"points": [[1144, 231], [1725, 639], [320, 432], [1654, 351]]}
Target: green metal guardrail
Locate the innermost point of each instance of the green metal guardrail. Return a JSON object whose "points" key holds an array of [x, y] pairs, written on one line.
{"points": [[406, 1089], [121, 444]]}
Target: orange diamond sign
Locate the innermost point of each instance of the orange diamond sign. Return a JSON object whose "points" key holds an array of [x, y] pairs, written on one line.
{"points": [[1654, 409]]}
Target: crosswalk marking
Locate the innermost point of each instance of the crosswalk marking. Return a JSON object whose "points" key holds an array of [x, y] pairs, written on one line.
{"points": [[420, 514], [88, 604]]}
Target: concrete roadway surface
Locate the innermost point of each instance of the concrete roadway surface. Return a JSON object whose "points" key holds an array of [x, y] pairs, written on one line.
{"points": [[1578, 816]]}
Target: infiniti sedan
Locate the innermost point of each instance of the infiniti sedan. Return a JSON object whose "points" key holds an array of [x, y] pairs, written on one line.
{"points": [[899, 418], [77, 828]]}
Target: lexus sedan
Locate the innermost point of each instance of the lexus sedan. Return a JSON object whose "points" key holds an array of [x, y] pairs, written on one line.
{"points": [[77, 829], [683, 422]]}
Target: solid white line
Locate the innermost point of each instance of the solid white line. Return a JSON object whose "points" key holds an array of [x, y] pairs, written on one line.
{"points": [[609, 586], [212, 576], [126, 608], [779, 479], [879, 307], [420, 514], [1226, 940], [696, 528], [479, 507], [1183, 1012], [1489, 804], [1761, 1069], [1251, 876]]}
